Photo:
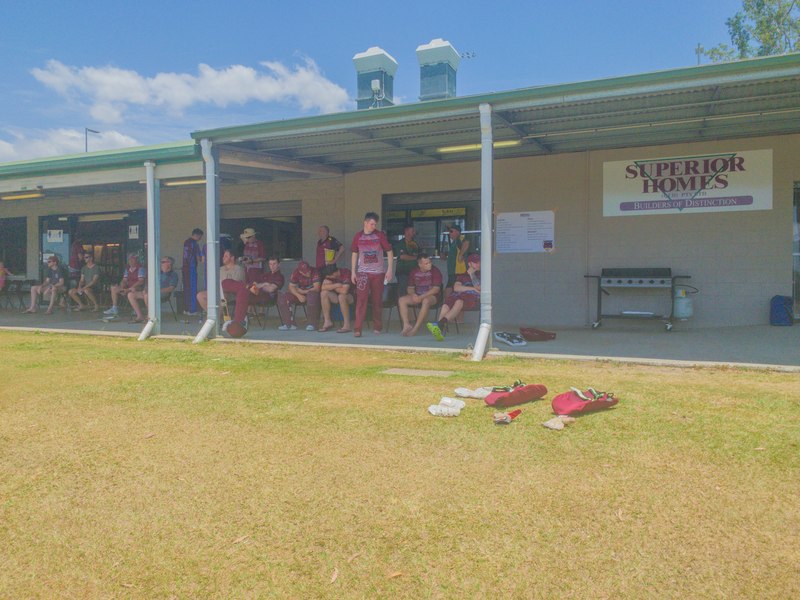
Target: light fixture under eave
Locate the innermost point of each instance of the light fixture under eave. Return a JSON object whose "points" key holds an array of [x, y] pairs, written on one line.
{"points": [[177, 182], [475, 147], [22, 196]]}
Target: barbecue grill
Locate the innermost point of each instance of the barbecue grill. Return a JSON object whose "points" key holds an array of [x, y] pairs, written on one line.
{"points": [[636, 278]]}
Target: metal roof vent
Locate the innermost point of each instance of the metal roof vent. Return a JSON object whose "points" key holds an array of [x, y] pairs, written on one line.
{"points": [[438, 63], [375, 71]]}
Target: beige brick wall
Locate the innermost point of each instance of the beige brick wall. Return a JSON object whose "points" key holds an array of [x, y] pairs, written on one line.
{"points": [[737, 259]]}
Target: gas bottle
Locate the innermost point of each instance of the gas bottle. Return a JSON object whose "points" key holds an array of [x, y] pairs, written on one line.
{"points": [[682, 307]]}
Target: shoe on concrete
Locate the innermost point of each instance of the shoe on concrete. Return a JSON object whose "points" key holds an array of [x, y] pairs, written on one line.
{"points": [[287, 327], [113, 311], [310, 328], [436, 331]]}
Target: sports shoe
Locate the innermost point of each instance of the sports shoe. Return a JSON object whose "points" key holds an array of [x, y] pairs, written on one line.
{"points": [[225, 325], [287, 327], [113, 311], [479, 393], [439, 410], [452, 403], [436, 331], [310, 328]]}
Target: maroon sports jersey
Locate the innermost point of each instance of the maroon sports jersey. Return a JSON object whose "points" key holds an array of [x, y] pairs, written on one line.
{"points": [[304, 282], [370, 248], [344, 276], [423, 281], [276, 278]]}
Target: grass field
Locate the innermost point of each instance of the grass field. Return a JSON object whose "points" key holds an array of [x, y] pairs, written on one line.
{"points": [[162, 469]]}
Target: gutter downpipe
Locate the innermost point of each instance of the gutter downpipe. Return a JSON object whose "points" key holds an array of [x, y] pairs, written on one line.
{"points": [[209, 328], [153, 325], [487, 186]]}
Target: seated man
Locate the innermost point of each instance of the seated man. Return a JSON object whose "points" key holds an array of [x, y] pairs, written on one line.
{"points": [[336, 290], [168, 281], [52, 285], [88, 282], [232, 281], [133, 280], [304, 285], [265, 286], [424, 286], [466, 296]]}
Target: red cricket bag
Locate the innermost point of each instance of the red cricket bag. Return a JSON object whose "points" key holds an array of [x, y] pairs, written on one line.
{"points": [[513, 395], [575, 401]]}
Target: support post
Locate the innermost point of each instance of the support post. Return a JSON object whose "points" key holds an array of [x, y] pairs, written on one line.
{"points": [[153, 325], [487, 188], [210, 157]]}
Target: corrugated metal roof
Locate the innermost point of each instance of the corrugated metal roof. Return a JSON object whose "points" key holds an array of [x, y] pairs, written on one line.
{"points": [[173, 152], [737, 99]]}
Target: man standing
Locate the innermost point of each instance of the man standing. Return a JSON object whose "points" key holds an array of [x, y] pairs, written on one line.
{"points": [[254, 253], [424, 287], [133, 280], [370, 275], [193, 253], [329, 249], [407, 251], [89, 279], [457, 248], [304, 285], [336, 285]]}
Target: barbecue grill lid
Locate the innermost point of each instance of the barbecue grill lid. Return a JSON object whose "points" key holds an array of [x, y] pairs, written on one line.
{"points": [[659, 272]]}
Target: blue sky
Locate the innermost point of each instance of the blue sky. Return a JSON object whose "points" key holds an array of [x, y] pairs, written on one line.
{"points": [[147, 73]]}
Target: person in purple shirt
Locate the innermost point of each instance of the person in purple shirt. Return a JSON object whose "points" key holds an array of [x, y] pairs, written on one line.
{"points": [[193, 253]]}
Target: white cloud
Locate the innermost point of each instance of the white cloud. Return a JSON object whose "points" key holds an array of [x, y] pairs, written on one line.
{"points": [[55, 142], [111, 91]]}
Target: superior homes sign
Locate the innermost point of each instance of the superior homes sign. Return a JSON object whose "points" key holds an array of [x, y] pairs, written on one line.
{"points": [[688, 184]]}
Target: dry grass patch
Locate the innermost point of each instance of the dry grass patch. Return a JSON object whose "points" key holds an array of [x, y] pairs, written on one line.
{"points": [[160, 469]]}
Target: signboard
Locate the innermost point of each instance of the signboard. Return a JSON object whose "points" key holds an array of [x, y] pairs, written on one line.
{"points": [[525, 232], [55, 236], [723, 182], [133, 232]]}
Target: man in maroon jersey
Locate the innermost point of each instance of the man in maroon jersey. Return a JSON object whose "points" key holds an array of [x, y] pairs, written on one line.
{"points": [[265, 286], [336, 284], [424, 287], [304, 284], [370, 274]]}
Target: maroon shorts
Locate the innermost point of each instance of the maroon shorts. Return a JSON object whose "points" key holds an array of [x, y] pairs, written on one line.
{"points": [[471, 301]]}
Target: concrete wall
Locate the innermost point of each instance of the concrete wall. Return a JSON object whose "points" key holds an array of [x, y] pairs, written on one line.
{"points": [[738, 260]]}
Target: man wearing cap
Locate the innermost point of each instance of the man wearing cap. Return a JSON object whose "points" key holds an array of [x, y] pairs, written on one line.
{"points": [[457, 248], [370, 275], [254, 252], [424, 286], [304, 285], [193, 253], [52, 285], [466, 296], [329, 249]]}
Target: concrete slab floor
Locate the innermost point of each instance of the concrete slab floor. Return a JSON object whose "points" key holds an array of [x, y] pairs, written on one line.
{"points": [[760, 345]]}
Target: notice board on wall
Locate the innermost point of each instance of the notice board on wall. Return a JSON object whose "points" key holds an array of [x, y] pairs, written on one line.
{"points": [[532, 231]]}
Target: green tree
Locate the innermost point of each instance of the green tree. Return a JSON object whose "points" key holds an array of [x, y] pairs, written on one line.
{"points": [[761, 28]]}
